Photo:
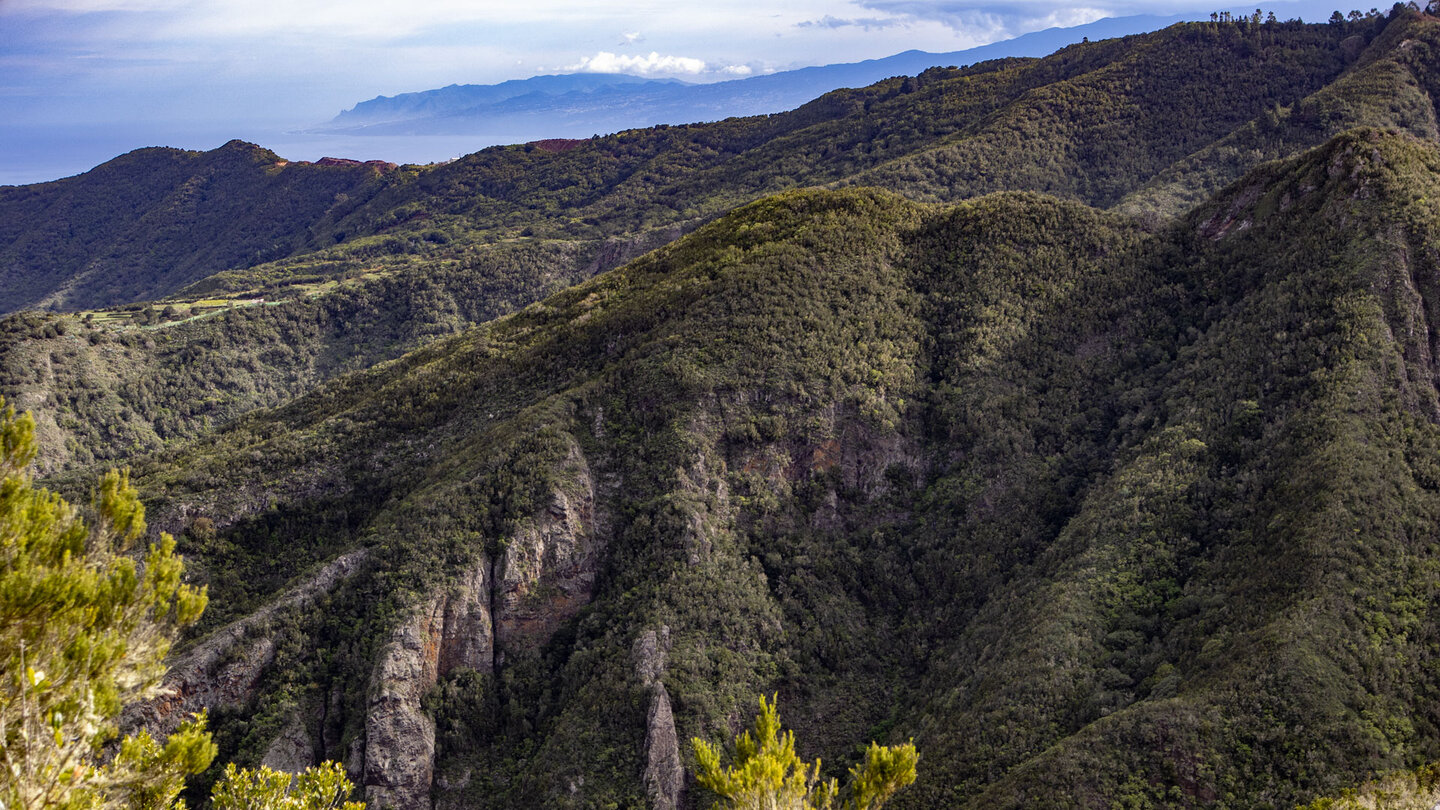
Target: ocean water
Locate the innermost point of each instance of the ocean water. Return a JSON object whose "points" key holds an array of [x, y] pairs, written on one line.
{"points": [[39, 153]]}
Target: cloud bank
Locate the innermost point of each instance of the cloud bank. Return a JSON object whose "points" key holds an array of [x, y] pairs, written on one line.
{"points": [[653, 64]]}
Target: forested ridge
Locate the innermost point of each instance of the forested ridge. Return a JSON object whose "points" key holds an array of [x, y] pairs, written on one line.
{"points": [[1081, 424], [1090, 512], [1151, 124]]}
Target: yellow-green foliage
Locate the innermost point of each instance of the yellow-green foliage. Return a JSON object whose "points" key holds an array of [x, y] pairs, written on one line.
{"points": [[84, 629], [323, 787], [1418, 789], [768, 775], [150, 776]]}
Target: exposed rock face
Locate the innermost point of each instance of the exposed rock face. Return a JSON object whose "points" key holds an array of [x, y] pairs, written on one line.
{"points": [[547, 571], [293, 750], [468, 639], [664, 773], [453, 630], [399, 737], [224, 668], [545, 574]]}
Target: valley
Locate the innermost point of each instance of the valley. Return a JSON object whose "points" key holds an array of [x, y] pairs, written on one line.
{"points": [[1076, 418]]}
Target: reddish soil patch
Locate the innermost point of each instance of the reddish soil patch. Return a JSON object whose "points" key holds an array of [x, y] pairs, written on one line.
{"points": [[555, 144]]}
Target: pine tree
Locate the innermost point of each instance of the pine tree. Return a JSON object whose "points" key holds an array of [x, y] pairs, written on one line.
{"points": [[84, 629], [323, 787], [769, 775]]}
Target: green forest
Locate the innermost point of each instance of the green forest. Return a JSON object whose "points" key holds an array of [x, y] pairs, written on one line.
{"points": [[1074, 420]]}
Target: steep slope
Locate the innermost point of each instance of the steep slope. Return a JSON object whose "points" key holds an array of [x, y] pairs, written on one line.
{"points": [[155, 220], [1393, 84], [1054, 124], [109, 385], [590, 460], [1094, 134], [1093, 122], [1096, 121], [1094, 515], [1235, 612]]}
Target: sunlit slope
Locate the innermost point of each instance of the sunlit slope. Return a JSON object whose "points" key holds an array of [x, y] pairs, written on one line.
{"points": [[1094, 122], [1156, 122], [1090, 513]]}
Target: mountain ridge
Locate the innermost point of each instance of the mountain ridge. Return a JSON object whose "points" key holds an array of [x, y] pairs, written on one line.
{"points": [[1098, 451], [1071, 491], [449, 246], [156, 219], [610, 102]]}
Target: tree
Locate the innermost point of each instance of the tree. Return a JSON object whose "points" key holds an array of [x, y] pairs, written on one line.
{"points": [[1418, 789], [84, 629], [769, 775], [323, 787]]}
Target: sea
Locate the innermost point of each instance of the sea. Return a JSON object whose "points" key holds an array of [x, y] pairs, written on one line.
{"points": [[40, 153]]}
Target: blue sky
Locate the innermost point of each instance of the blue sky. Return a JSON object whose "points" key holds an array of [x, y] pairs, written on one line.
{"points": [[201, 68]]}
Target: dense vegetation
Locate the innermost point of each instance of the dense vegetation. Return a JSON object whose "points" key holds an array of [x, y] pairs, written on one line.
{"points": [[1092, 514], [414, 254], [150, 222], [110, 385], [1100, 507], [1060, 124]]}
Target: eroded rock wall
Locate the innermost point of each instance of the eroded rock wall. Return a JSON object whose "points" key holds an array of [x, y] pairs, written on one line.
{"points": [[543, 575], [546, 572], [664, 776], [225, 668]]}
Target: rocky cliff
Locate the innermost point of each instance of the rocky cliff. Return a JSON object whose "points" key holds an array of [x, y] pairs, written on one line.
{"points": [[513, 601], [224, 668]]}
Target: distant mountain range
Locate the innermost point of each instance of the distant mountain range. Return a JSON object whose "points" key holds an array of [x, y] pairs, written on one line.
{"points": [[581, 104]]}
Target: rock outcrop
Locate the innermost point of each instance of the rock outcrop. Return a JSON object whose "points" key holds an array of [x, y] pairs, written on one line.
{"points": [[544, 575], [399, 736], [468, 637], [664, 776], [225, 667], [547, 571], [293, 750], [452, 631]]}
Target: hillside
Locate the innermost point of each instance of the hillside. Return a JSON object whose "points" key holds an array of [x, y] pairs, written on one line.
{"points": [[110, 385], [1093, 122], [151, 222], [1094, 514], [1079, 420], [428, 251]]}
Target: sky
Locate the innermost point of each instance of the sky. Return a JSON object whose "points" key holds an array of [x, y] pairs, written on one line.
{"points": [[80, 77]]}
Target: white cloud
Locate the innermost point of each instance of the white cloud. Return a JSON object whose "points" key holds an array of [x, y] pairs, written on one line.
{"points": [[1071, 17], [607, 62], [979, 21], [302, 60]]}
